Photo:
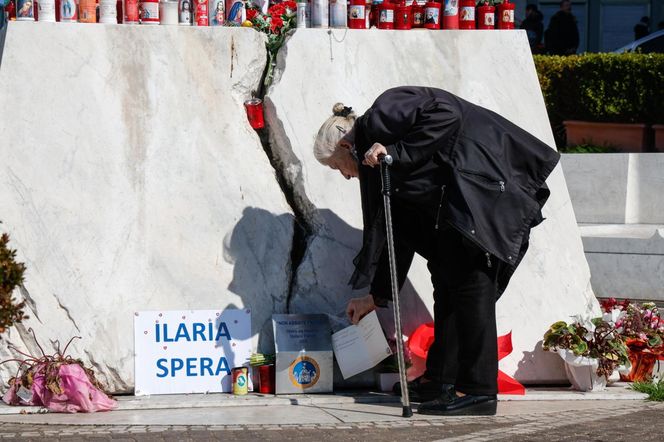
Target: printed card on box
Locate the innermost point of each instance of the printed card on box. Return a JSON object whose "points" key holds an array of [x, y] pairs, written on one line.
{"points": [[304, 354]]}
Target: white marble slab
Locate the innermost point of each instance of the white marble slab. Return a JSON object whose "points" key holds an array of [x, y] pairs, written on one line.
{"points": [[492, 69], [616, 188], [131, 180]]}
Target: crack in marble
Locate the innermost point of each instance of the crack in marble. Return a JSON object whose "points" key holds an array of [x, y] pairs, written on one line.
{"points": [[66, 310]]}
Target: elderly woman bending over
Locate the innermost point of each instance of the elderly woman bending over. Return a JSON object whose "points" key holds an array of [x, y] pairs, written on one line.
{"points": [[468, 185]]}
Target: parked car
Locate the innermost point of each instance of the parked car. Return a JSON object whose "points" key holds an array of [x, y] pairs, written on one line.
{"points": [[650, 43]]}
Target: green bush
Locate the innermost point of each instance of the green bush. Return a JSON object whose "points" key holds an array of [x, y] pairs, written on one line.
{"points": [[587, 148], [610, 88], [11, 276]]}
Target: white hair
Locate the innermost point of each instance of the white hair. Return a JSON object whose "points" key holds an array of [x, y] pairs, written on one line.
{"points": [[332, 130]]}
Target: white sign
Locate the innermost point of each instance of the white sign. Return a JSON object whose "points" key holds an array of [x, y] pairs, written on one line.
{"points": [[360, 347], [191, 351]]}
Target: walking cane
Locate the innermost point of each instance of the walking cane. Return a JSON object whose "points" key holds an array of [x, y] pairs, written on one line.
{"points": [[385, 162]]}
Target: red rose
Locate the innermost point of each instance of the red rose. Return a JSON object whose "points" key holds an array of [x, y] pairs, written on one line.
{"points": [[251, 14], [290, 5], [277, 10], [275, 24]]}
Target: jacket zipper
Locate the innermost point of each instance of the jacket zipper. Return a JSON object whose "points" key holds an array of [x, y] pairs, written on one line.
{"points": [[489, 264], [488, 179], [440, 205]]}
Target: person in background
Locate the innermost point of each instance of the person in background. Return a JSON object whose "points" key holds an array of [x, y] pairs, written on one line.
{"points": [[562, 35], [534, 27], [642, 28], [3, 13]]}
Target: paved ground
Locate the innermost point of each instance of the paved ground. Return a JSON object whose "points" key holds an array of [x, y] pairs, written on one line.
{"points": [[564, 420]]}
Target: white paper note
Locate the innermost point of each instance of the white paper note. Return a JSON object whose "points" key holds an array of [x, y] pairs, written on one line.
{"points": [[360, 347]]}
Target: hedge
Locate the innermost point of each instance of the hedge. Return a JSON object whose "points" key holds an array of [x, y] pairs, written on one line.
{"points": [[616, 88]]}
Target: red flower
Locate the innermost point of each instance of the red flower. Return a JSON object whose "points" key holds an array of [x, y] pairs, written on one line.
{"points": [[277, 10], [290, 5], [251, 14], [275, 24]]}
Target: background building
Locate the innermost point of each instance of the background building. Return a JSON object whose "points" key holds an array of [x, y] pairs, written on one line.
{"points": [[604, 25]]}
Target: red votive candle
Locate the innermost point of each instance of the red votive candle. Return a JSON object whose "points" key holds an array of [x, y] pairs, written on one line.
{"points": [[266, 374], [255, 112]]}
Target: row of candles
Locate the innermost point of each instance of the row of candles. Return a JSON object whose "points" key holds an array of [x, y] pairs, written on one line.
{"points": [[354, 14], [451, 14]]}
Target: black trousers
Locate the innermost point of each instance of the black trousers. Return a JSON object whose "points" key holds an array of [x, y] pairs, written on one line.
{"points": [[464, 352]]}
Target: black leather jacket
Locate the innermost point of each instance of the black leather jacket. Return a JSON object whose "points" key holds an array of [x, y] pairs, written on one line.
{"points": [[464, 164]]}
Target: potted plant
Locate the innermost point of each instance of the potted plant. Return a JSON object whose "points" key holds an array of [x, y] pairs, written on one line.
{"points": [[11, 276], [591, 348], [263, 372], [388, 370], [642, 329]]}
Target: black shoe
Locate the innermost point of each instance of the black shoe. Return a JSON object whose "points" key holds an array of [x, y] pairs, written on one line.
{"points": [[419, 391], [468, 405]]}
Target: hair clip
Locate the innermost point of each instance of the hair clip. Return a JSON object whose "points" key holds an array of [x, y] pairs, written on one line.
{"points": [[347, 110], [341, 129]]}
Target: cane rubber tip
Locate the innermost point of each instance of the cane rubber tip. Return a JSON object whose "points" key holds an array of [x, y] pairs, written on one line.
{"points": [[407, 412]]}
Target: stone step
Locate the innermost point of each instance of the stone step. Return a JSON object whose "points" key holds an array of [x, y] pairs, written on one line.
{"points": [[617, 391]]}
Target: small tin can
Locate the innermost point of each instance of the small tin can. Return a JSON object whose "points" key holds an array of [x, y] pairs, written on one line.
{"points": [[240, 381], [255, 113], [185, 15], [25, 10]]}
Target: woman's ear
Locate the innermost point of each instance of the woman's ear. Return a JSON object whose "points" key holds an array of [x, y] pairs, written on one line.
{"points": [[344, 144]]}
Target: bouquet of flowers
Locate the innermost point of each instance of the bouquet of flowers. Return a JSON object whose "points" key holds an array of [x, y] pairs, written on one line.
{"points": [[641, 326], [279, 20], [58, 382], [597, 340]]}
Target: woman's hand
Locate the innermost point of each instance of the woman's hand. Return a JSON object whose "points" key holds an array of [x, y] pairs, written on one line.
{"points": [[372, 155], [359, 307]]}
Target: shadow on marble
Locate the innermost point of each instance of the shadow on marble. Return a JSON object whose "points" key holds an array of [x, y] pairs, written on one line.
{"points": [[535, 356], [246, 256]]}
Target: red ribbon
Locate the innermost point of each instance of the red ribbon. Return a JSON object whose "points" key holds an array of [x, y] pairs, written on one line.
{"points": [[422, 338]]}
